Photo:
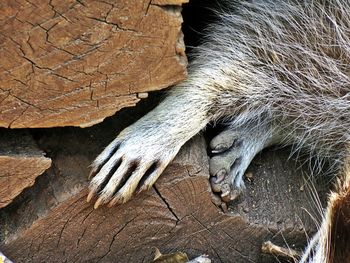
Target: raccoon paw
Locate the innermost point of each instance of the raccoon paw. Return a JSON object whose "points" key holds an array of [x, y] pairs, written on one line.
{"points": [[233, 151], [128, 165]]}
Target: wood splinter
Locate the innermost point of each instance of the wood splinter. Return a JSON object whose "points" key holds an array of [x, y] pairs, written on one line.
{"points": [[277, 251]]}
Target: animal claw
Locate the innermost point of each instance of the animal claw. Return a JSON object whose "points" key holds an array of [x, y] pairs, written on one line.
{"points": [[90, 196], [114, 201], [98, 203]]}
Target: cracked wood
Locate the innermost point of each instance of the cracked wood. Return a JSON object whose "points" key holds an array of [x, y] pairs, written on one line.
{"points": [[74, 63], [21, 162]]}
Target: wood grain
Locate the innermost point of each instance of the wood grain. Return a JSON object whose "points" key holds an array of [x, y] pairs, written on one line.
{"points": [[74, 63]]}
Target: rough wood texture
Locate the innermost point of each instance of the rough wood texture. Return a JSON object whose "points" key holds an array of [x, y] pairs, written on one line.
{"points": [[21, 162], [73, 63], [53, 223]]}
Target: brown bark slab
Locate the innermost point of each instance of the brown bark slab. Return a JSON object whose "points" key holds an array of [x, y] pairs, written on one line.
{"points": [[52, 222], [73, 63], [21, 162]]}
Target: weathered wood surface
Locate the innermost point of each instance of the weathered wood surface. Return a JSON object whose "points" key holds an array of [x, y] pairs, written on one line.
{"points": [[73, 63], [21, 162], [52, 222]]}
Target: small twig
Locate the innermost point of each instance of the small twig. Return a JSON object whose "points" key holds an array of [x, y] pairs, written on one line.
{"points": [[277, 251]]}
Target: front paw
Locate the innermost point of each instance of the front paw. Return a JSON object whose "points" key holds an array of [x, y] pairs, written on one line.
{"points": [[130, 164]]}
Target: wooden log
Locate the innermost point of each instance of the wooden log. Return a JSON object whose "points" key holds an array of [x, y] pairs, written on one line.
{"points": [[73, 63], [21, 163], [53, 223]]}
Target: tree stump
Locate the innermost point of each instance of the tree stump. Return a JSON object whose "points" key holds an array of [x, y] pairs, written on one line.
{"points": [[73, 63], [21, 162], [51, 222]]}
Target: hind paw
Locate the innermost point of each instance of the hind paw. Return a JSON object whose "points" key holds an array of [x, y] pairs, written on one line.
{"points": [[233, 151]]}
